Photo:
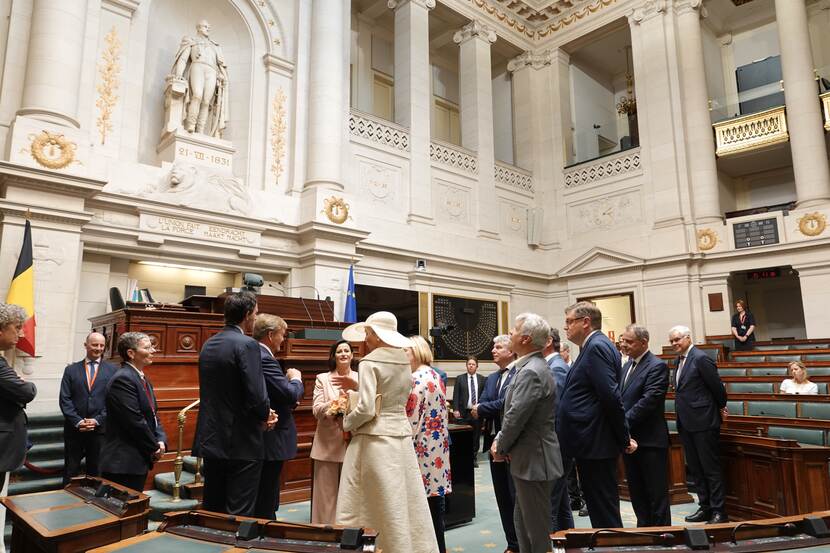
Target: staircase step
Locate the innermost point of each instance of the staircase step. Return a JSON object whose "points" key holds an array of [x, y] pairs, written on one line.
{"points": [[166, 480], [26, 474], [161, 503], [46, 434], [32, 486], [42, 420], [45, 451], [190, 463]]}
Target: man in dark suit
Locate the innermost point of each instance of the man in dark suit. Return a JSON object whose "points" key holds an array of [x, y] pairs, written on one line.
{"points": [[645, 382], [285, 390], [133, 437], [590, 420], [528, 434], [234, 411], [468, 388], [561, 516], [83, 403], [700, 401], [15, 393], [491, 408]]}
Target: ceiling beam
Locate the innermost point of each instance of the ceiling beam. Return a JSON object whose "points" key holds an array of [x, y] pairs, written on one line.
{"points": [[376, 9]]}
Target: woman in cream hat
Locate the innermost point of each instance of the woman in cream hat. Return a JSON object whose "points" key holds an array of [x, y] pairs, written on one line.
{"points": [[381, 485]]}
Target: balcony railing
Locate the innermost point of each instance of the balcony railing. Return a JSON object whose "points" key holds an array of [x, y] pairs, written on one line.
{"points": [[377, 130], [825, 102], [606, 167], [454, 156], [751, 132], [514, 177]]}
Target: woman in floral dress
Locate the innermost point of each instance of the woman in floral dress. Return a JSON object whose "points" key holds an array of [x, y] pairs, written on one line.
{"points": [[427, 412]]}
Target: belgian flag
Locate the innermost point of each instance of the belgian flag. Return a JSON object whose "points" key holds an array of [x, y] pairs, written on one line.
{"points": [[22, 291]]}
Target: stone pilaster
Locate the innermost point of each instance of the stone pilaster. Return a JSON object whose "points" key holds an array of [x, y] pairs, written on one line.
{"points": [[413, 99], [804, 118], [476, 91]]}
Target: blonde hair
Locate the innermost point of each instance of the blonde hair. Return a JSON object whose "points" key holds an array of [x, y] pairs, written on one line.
{"points": [[801, 366], [265, 323], [421, 350]]}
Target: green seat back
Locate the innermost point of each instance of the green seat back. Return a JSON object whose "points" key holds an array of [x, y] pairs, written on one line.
{"points": [[815, 410], [766, 371], [748, 358], [783, 358], [772, 347], [810, 436], [732, 372], [670, 406], [750, 387], [818, 371], [771, 409], [672, 426], [735, 407], [817, 356], [822, 387], [711, 353]]}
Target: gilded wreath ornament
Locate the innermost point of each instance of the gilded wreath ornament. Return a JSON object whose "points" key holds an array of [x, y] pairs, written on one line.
{"points": [[336, 209], [52, 150], [812, 224], [706, 239]]}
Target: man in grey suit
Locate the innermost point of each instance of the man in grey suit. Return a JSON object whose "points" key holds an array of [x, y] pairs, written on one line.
{"points": [[528, 434]]}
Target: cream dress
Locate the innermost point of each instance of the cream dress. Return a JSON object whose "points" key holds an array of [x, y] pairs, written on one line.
{"points": [[381, 485]]}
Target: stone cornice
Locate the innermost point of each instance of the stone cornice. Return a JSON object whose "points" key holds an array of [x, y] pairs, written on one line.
{"points": [[50, 216], [279, 65], [50, 181], [475, 29], [648, 10], [124, 8], [426, 4]]}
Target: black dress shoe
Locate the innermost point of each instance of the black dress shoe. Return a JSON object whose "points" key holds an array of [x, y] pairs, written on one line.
{"points": [[699, 516], [577, 505], [583, 512], [717, 518]]}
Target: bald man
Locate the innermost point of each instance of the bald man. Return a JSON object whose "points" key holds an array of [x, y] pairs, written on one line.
{"points": [[83, 404]]}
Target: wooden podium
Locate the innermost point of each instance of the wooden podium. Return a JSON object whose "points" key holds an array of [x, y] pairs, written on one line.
{"points": [[88, 513], [178, 333]]}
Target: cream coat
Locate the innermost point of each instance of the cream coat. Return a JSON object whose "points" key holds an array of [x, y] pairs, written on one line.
{"points": [[381, 485]]}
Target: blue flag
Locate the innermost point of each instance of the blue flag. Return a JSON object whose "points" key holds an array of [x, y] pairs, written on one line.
{"points": [[350, 314]]}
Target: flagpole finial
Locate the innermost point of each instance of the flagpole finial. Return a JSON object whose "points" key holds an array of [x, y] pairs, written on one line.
{"points": [[28, 214]]}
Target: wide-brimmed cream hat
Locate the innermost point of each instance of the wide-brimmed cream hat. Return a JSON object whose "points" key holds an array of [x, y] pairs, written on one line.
{"points": [[385, 325]]}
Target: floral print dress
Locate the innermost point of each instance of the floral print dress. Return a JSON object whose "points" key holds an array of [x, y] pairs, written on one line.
{"points": [[427, 412]]}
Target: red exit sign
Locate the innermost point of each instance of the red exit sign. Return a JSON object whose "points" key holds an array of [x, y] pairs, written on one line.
{"points": [[763, 273]]}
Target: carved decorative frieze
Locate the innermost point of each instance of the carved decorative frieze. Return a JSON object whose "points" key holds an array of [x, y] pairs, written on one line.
{"points": [[538, 19], [750, 132], [278, 131], [109, 71], [605, 213], [453, 156], [600, 169], [536, 60], [514, 177], [385, 133]]}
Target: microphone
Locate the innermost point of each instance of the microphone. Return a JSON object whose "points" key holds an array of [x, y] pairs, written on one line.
{"points": [[302, 300]]}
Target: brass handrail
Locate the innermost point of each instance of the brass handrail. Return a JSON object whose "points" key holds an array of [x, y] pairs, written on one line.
{"points": [[179, 464]]}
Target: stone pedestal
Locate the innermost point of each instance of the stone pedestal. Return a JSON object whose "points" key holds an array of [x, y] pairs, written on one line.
{"points": [[174, 109], [196, 149]]}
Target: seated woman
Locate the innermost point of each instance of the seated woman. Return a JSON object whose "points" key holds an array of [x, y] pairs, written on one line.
{"points": [[381, 486], [798, 384], [743, 327]]}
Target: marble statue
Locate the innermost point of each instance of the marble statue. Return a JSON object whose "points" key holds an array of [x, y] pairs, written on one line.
{"points": [[199, 62]]}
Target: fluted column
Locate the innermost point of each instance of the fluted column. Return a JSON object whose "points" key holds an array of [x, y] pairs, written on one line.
{"points": [[53, 66], [328, 95], [700, 146], [476, 91], [804, 119], [413, 97]]}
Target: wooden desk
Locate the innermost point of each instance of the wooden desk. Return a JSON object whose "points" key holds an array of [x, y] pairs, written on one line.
{"points": [[81, 516], [205, 532]]}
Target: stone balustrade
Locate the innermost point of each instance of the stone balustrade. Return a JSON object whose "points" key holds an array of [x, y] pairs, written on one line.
{"points": [[377, 130], [453, 156], [751, 132], [622, 163], [514, 177]]}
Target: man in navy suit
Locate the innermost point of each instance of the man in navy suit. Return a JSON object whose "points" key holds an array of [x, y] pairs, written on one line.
{"points": [[285, 390], [590, 420], [491, 407], [234, 411], [700, 401], [465, 395], [133, 438], [561, 516], [82, 401], [645, 382]]}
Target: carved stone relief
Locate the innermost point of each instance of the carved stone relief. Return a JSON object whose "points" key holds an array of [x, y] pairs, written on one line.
{"points": [[453, 203], [379, 181], [514, 219], [606, 213]]}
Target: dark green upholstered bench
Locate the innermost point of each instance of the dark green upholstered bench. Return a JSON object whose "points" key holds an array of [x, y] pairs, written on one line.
{"points": [[783, 358], [815, 410], [732, 372], [818, 371], [672, 426], [750, 387], [769, 371], [817, 356], [669, 406], [771, 409], [735, 407], [747, 358], [803, 435]]}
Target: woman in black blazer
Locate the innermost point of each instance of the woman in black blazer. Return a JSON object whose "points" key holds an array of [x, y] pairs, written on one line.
{"points": [[134, 438], [743, 327]]}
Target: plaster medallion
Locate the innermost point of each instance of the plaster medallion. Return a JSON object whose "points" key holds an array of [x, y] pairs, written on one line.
{"points": [[336, 209], [52, 150], [706, 239], [812, 224]]}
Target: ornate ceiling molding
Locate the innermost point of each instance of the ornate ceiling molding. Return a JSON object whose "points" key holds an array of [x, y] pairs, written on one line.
{"points": [[538, 19]]}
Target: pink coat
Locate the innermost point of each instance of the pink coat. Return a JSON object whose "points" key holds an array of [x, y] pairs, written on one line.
{"points": [[328, 442]]}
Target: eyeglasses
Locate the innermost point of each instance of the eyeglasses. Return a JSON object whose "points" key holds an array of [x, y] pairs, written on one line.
{"points": [[569, 322]]}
